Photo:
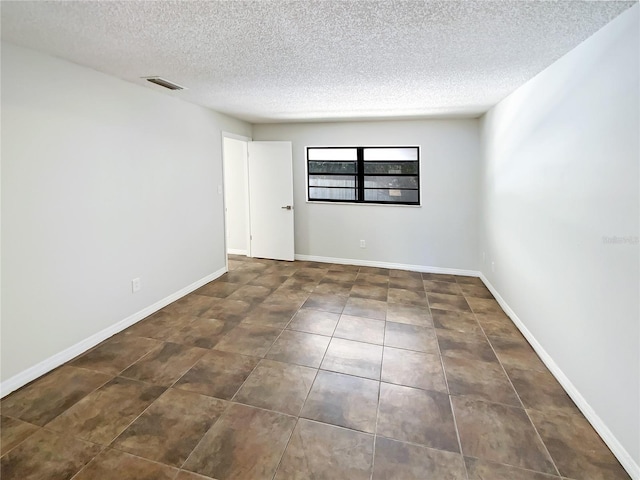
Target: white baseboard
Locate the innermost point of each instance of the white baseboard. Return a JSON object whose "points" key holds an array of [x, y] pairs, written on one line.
{"points": [[394, 266], [45, 366], [623, 456], [235, 251]]}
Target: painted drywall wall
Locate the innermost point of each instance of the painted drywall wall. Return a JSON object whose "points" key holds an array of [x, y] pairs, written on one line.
{"points": [[103, 181], [560, 213], [235, 194], [441, 233]]}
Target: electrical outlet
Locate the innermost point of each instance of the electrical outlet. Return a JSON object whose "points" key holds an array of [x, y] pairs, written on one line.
{"points": [[136, 285], [363, 244]]}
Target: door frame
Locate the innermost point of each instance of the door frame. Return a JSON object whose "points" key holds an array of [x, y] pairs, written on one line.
{"points": [[246, 140]]}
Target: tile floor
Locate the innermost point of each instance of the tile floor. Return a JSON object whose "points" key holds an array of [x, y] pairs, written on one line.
{"points": [[307, 371]]}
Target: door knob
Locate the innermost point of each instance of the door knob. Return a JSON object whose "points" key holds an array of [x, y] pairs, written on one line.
{"points": [[287, 207]]}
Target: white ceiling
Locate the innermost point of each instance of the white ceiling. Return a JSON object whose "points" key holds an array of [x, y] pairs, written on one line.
{"points": [[274, 60]]}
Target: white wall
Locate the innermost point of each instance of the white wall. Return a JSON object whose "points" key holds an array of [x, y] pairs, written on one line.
{"points": [[440, 233], [560, 173], [235, 194], [102, 181]]}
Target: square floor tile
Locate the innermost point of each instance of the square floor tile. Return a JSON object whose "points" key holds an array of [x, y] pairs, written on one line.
{"points": [[413, 369], [13, 432], [46, 455], [229, 310], [468, 280], [272, 315], [218, 289], [314, 321], [410, 314], [238, 276], [366, 307], [326, 302], [331, 288], [251, 293], [449, 288], [164, 365], [501, 434], [461, 322], [115, 465], [218, 374], [475, 291], [443, 301], [397, 460], [439, 277], [171, 427], [343, 400], [116, 354], [408, 297], [161, 325], [541, 391], [484, 306], [499, 325], [406, 283], [353, 358], [374, 279], [299, 348], [192, 305], [322, 451], [369, 291], [47, 397], [417, 416], [246, 339], [483, 469], [245, 442], [360, 329], [516, 354], [472, 347], [102, 415], [410, 337], [277, 386], [201, 332]]}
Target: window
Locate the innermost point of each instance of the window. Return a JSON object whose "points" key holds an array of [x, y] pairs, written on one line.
{"points": [[386, 175]]}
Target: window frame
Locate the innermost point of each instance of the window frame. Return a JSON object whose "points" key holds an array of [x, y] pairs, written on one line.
{"points": [[360, 174]]}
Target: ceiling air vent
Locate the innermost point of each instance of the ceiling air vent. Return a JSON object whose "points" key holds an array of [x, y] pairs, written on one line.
{"points": [[164, 83]]}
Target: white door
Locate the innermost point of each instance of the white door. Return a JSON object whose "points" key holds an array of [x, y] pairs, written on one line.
{"points": [[271, 200]]}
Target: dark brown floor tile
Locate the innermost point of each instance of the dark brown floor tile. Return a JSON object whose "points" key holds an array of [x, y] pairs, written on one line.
{"points": [[253, 294], [192, 305], [402, 461], [218, 374], [501, 434], [272, 280], [476, 291], [201, 332], [277, 386], [314, 273], [353, 358], [360, 329], [116, 354], [483, 470], [164, 365], [343, 400], [374, 271], [479, 380], [406, 283], [468, 280], [245, 339], [413, 369], [245, 442], [47, 456], [343, 278], [299, 348], [499, 325], [314, 321], [229, 310], [416, 416], [161, 325], [218, 289], [339, 267], [541, 391], [369, 291], [49, 396], [457, 321], [272, 315], [115, 465], [13, 432], [442, 301], [404, 274], [333, 289], [184, 475], [171, 427], [439, 277], [472, 347], [410, 314], [449, 288], [576, 448], [238, 276], [366, 307], [325, 452], [372, 279], [300, 284], [287, 297], [324, 302], [407, 297], [102, 415], [411, 337], [484, 306], [516, 354]]}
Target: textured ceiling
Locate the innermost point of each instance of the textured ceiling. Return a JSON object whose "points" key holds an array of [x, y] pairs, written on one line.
{"points": [[274, 60]]}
